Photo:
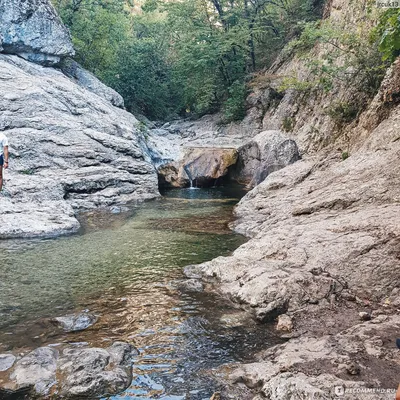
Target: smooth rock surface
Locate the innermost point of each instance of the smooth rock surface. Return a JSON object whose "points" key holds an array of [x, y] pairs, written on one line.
{"points": [[87, 80], [199, 167], [33, 30], [70, 150], [267, 152], [6, 361]]}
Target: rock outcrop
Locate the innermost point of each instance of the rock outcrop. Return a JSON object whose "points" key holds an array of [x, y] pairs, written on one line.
{"points": [[267, 152], [87, 80], [324, 249], [70, 372], [199, 167], [360, 362], [203, 151], [33, 30], [70, 150]]}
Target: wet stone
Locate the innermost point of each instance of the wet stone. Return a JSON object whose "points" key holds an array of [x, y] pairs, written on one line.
{"points": [[76, 322], [6, 361]]}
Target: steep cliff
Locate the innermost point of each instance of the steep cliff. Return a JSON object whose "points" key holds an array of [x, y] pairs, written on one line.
{"points": [[71, 149]]}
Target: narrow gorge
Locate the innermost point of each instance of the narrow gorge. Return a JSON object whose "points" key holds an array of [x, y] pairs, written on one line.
{"points": [[199, 258]]}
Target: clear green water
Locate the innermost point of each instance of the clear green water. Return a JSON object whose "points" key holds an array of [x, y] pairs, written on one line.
{"points": [[122, 267]]}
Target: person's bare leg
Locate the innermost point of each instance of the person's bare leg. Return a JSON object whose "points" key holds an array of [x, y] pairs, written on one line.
{"points": [[1, 177]]}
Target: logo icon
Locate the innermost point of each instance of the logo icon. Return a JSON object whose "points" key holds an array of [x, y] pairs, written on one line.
{"points": [[339, 390]]}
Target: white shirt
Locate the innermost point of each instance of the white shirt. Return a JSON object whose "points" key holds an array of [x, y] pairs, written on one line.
{"points": [[3, 142]]}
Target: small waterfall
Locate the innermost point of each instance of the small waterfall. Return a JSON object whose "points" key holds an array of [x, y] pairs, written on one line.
{"points": [[185, 167]]}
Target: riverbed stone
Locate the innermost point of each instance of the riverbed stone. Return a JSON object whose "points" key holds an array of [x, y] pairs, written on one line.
{"points": [[36, 371], [285, 323], [76, 322], [94, 372], [70, 372], [191, 285], [6, 361]]}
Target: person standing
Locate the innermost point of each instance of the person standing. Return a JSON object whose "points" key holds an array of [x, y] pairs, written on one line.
{"points": [[3, 156]]}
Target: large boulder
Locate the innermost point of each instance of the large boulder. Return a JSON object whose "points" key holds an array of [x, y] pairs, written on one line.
{"points": [[70, 150], [267, 152], [199, 166], [33, 30]]}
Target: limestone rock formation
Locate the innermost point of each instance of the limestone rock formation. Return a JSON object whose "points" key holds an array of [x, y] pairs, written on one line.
{"points": [[316, 227], [199, 167], [33, 30], [267, 152], [324, 368], [87, 80], [93, 372], [70, 150]]}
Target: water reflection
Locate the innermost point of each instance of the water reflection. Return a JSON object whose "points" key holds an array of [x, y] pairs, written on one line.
{"points": [[122, 269]]}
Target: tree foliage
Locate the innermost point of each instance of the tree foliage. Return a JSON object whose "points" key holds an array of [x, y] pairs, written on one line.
{"points": [[169, 57], [388, 34]]}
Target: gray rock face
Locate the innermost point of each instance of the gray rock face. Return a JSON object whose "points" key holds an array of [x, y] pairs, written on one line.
{"points": [[198, 166], [76, 322], [313, 223], [33, 30], [6, 361], [94, 372], [37, 371], [267, 152], [87, 80], [70, 150], [323, 232], [288, 371], [71, 373]]}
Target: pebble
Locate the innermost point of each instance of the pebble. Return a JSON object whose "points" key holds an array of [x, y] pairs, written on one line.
{"points": [[364, 316]]}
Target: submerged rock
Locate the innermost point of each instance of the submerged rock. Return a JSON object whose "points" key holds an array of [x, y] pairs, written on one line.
{"points": [[191, 285], [33, 30], [76, 322]]}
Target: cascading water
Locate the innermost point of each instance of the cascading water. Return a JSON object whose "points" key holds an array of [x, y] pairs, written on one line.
{"points": [[191, 180]]}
